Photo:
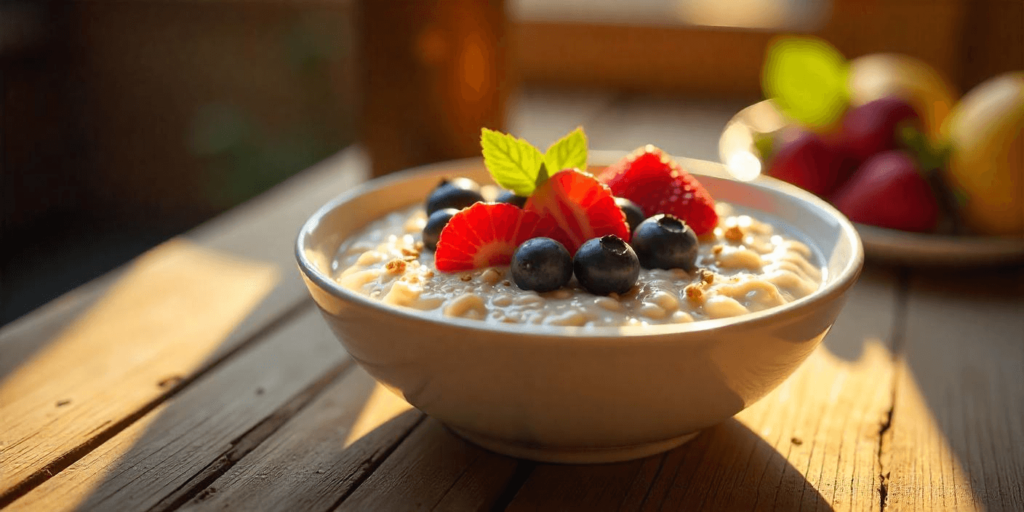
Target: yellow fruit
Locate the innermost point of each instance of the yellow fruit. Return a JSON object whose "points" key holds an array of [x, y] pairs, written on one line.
{"points": [[879, 75], [986, 133]]}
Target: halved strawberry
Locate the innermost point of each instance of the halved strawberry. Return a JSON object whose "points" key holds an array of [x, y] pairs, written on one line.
{"points": [[655, 182], [485, 235], [582, 207]]}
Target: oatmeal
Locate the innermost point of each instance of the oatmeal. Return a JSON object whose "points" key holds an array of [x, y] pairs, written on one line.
{"points": [[744, 266]]}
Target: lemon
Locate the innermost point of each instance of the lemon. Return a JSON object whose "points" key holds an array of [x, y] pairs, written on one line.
{"points": [[986, 134]]}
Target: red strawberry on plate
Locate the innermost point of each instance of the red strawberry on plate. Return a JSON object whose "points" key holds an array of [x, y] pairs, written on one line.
{"points": [[485, 235], [582, 207], [649, 178], [875, 127], [812, 163], [889, 191]]}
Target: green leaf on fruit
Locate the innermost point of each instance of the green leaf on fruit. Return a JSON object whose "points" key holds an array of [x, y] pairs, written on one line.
{"points": [[542, 177], [568, 152], [512, 162], [930, 156], [960, 197], [807, 79]]}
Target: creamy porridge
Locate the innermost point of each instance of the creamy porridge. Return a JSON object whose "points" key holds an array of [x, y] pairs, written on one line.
{"points": [[744, 266]]}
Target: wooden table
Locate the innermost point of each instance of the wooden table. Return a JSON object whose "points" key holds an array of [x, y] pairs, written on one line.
{"points": [[200, 377]]}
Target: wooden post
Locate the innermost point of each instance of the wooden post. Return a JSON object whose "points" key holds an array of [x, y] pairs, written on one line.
{"points": [[433, 73]]}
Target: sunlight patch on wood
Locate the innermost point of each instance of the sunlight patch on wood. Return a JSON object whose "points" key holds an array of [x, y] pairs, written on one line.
{"points": [[381, 406], [158, 324]]}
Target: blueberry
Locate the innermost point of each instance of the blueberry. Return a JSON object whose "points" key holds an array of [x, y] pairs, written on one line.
{"points": [[542, 265], [664, 241], [435, 223], [606, 265], [510, 198], [634, 214], [457, 193]]}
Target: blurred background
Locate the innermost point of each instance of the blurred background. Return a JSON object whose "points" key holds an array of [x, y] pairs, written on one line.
{"points": [[125, 123]]}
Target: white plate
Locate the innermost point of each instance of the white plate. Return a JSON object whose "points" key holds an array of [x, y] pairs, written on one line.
{"points": [[923, 249], [888, 245]]}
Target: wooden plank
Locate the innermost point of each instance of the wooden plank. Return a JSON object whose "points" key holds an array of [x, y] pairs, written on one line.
{"points": [[434, 469], [812, 443], [321, 455], [959, 418], [128, 340], [169, 446]]}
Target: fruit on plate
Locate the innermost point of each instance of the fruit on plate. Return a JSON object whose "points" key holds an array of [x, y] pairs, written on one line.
{"points": [[541, 264], [606, 265], [812, 163], [656, 183], [986, 136], [806, 77], [875, 126], [889, 190], [882, 75], [582, 207], [485, 235]]}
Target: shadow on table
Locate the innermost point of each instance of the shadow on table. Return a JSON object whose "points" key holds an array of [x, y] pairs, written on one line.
{"points": [[869, 315], [956, 338], [728, 467], [959, 393]]}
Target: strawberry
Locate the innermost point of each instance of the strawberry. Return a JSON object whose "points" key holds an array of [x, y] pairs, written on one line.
{"points": [[485, 235], [875, 127], [649, 178], [813, 163], [889, 191], [581, 206]]}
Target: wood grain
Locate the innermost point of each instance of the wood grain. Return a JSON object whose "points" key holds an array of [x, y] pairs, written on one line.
{"points": [[959, 418], [430, 468], [321, 455], [812, 443], [165, 448], [129, 339]]}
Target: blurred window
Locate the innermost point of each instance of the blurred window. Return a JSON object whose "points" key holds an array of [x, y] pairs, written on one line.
{"points": [[796, 15]]}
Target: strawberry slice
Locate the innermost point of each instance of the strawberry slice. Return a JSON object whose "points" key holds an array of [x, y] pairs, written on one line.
{"points": [[486, 235], [581, 207], [656, 183]]}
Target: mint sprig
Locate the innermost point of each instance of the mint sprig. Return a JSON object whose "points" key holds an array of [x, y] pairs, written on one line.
{"points": [[513, 163], [568, 152], [517, 165]]}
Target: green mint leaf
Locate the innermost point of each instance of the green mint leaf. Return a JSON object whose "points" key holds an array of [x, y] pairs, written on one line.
{"points": [[542, 177], [807, 79], [568, 152], [513, 163]]}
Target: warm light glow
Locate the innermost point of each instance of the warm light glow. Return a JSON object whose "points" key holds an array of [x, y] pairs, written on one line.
{"points": [[380, 407], [737, 13], [163, 318], [474, 68], [743, 166]]}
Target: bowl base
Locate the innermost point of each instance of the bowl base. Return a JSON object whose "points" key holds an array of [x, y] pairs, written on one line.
{"points": [[574, 455]]}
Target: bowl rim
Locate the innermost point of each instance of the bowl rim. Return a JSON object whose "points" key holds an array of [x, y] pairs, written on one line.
{"points": [[842, 281]]}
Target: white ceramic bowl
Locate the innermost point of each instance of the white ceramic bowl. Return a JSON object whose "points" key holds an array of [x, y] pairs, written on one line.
{"points": [[577, 394]]}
